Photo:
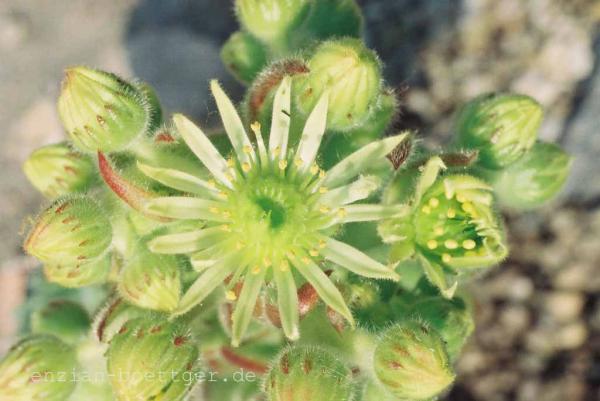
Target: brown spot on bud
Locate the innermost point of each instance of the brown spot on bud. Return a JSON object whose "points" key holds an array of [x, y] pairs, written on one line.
{"points": [[285, 364], [179, 341]]}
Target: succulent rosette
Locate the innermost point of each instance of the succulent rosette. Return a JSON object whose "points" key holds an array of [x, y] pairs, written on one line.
{"points": [[269, 212], [453, 227]]}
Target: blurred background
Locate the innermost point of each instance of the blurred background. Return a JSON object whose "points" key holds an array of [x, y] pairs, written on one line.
{"points": [[538, 315]]}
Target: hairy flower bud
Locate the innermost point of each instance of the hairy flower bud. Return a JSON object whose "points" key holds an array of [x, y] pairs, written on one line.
{"points": [[57, 170], [271, 20], [152, 359], [244, 56], [79, 274], [73, 231], [351, 74], [534, 179], [101, 111], [308, 374], [151, 281], [411, 361], [452, 319], [38, 368], [334, 18], [66, 320], [501, 126]]}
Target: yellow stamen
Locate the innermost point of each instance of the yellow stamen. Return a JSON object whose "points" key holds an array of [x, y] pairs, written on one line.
{"points": [[461, 198], [426, 209], [314, 169], [322, 243], [229, 176], [226, 228], [276, 151], [227, 214], [305, 260], [255, 126], [285, 266], [282, 164], [451, 244], [298, 162], [446, 258], [246, 167], [247, 149], [230, 162], [230, 295], [314, 253], [256, 269], [434, 202], [432, 244], [451, 213], [323, 190], [469, 244], [267, 261], [324, 209], [468, 207], [322, 173], [213, 210], [212, 183], [342, 213], [438, 231], [222, 194]]}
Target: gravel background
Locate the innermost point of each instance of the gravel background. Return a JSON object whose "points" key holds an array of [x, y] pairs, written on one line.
{"points": [[538, 335]]}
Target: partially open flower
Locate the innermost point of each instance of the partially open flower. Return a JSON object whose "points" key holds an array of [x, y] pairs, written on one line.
{"points": [[502, 127], [38, 368], [453, 228], [57, 170], [152, 359], [411, 361], [270, 212], [73, 231], [64, 319], [351, 74], [101, 111], [308, 374], [534, 179]]}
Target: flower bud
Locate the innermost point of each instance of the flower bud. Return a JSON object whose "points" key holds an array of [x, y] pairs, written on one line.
{"points": [[503, 127], [73, 231], [152, 359], [38, 368], [151, 281], [456, 226], [534, 179], [452, 319], [308, 374], [334, 18], [79, 274], [352, 75], [244, 56], [100, 111], [57, 170], [411, 361], [66, 320], [271, 20]]}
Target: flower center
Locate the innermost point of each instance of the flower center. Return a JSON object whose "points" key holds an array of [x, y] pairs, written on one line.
{"points": [[273, 211]]}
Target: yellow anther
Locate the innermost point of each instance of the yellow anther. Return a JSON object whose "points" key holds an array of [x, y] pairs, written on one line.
{"points": [[229, 176], [276, 151], [342, 213], [461, 198], [230, 295], [434, 202], [223, 194], [212, 183], [438, 231], [322, 173], [451, 213], [226, 214], [324, 209], [282, 164], [446, 258], [213, 210], [314, 253], [451, 244], [246, 167], [314, 169], [247, 149], [256, 269], [468, 207], [226, 228], [469, 244], [230, 162], [426, 209], [267, 261], [322, 243], [305, 260], [255, 126], [284, 266], [298, 162], [323, 190], [432, 244]]}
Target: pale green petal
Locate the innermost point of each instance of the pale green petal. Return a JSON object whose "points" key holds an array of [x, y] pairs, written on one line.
{"points": [[369, 212], [287, 301], [183, 207], [358, 190], [178, 180], [428, 177], [361, 160], [233, 124], [280, 123], [327, 291], [204, 259], [203, 148], [435, 274], [357, 262], [244, 309], [186, 242], [312, 135], [206, 284]]}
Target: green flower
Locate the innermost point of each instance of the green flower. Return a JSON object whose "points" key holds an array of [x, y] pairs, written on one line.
{"points": [[503, 127], [453, 227], [308, 374], [351, 74], [38, 368], [100, 111], [411, 362], [269, 213], [66, 320], [152, 359], [534, 179], [57, 170]]}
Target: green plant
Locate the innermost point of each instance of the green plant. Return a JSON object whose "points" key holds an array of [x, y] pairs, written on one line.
{"points": [[282, 248]]}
